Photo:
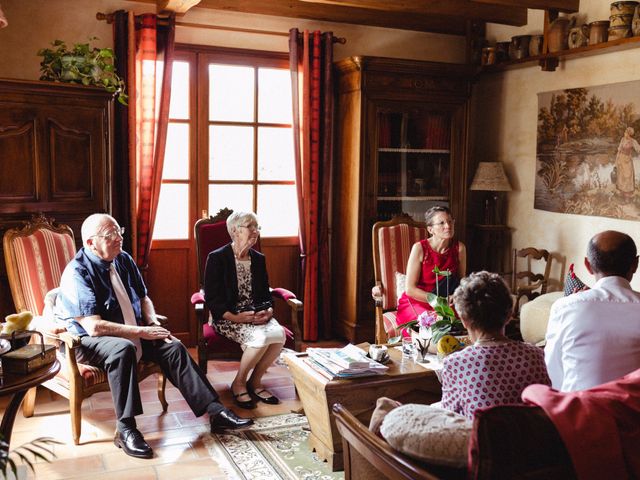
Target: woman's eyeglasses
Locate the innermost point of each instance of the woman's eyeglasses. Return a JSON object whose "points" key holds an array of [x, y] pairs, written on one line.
{"points": [[109, 236], [251, 226], [450, 222]]}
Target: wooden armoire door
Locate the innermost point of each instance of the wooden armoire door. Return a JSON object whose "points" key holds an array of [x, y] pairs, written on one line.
{"points": [[401, 146], [55, 157]]}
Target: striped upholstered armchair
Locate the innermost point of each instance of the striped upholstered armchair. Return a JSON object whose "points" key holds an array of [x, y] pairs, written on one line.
{"points": [[392, 242], [36, 256]]}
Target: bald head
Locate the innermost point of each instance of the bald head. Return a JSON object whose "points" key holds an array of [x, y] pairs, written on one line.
{"points": [[92, 225], [612, 253]]}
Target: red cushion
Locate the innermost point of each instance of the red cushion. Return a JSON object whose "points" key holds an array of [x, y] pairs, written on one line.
{"points": [[212, 236], [197, 297], [217, 342], [282, 293]]}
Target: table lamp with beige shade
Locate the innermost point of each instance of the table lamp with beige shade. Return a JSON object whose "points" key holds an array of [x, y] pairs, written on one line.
{"points": [[491, 177]]}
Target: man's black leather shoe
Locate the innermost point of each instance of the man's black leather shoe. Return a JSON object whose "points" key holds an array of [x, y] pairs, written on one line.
{"points": [[227, 420], [133, 443]]}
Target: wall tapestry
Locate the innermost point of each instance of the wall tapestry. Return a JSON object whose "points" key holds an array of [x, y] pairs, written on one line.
{"points": [[587, 157]]}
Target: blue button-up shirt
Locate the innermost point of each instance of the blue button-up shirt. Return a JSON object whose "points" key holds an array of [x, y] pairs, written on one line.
{"points": [[85, 290]]}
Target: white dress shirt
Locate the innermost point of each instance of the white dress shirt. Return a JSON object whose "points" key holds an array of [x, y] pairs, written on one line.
{"points": [[593, 336]]}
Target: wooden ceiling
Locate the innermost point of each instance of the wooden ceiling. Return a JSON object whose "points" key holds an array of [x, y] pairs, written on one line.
{"points": [[439, 16]]}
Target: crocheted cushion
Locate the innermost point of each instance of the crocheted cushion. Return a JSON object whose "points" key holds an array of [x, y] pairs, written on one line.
{"points": [[430, 434], [401, 284]]}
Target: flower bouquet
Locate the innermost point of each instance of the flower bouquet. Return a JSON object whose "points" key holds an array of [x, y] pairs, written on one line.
{"points": [[433, 324]]}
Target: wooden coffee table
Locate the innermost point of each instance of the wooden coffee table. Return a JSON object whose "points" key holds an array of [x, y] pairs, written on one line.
{"points": [[405, 381]]}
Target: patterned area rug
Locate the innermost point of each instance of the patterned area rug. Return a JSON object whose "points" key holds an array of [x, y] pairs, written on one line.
{"points": [[274, 448]]}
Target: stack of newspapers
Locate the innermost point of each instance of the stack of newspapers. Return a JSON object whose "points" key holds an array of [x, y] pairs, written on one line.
{"points": [[346, 362]]}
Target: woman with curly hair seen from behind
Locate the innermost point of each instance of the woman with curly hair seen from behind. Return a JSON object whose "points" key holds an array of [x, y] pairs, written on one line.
{"points": [[494, 370]]}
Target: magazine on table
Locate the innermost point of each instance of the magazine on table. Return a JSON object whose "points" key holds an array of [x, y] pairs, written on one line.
{"points": [[346, 362]]}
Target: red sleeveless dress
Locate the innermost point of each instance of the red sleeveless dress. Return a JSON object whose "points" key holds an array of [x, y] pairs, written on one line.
{"points": [[408, 307]]}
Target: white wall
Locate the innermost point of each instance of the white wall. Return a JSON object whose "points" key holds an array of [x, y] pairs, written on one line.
{"points": [[505, 120], [34, 24]]}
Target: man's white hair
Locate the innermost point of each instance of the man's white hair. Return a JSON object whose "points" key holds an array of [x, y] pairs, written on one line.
{"points": [[91, 225], [240, 218]]}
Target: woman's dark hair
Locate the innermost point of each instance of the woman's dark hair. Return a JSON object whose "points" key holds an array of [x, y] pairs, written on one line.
{"points": [[484, 301], [433, 211]]}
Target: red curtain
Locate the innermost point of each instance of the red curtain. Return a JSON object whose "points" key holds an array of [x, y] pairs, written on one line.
{"points": [[311, 65], [148, 43]]}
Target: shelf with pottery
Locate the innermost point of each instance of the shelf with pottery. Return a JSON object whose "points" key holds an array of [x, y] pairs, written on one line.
{"points": [[549, 61]]}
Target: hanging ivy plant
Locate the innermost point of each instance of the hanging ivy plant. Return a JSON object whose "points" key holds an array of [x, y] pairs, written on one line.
{"points": [[83, 64]]}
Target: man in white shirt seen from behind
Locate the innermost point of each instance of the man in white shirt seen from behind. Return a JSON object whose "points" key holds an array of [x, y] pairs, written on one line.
{"points": [[593, 336]]}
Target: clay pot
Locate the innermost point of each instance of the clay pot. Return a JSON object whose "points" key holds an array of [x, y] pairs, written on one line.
{"points": [[578, 36], [620, 20], [519, 47], [623, 8], [616, 33], [558, 33], [535, 45], [635, 23], [502, 51], [598, 32], [488, 56]]}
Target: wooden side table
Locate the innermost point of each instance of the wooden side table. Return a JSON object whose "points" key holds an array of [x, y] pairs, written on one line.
{"points": [[18, 385], [404, 381]]}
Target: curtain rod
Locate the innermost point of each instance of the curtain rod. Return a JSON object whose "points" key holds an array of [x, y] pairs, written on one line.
{"points": [[109, 17]]}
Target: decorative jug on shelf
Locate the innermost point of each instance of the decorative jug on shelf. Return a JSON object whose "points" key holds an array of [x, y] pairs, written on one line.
{"points": [[578, 36], [635, 23], [559, 32], [623, 8], [535, 45]]}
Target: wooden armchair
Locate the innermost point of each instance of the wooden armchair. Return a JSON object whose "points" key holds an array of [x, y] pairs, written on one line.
{"points": [[392, 242], [211, 233], [527, 283], [36, 256], [507, 442]]}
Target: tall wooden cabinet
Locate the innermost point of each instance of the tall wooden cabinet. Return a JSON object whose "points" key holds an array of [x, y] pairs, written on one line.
{"points": [[55, 157], [401, 140]]}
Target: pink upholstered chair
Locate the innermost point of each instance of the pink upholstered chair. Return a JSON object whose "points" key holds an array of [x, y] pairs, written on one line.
{"points": [[36, 256], [392, 242], [211, 233]]}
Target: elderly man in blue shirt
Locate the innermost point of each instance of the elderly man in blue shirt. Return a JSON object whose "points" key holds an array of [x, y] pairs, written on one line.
{"points": [[103, 299]]}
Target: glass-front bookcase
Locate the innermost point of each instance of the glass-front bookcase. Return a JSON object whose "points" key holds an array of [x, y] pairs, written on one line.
{"points": [[414, 158]]}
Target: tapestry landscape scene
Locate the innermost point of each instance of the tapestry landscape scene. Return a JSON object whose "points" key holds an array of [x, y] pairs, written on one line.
{"points": [[588, 158]]}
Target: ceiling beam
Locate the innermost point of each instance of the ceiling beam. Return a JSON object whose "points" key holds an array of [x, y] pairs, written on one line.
{"points": [[440, 16], [180, 7], [568, 6], [453, 8]]}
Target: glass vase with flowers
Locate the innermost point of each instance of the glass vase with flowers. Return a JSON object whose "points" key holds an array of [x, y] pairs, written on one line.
{"points": [[431, 325]]}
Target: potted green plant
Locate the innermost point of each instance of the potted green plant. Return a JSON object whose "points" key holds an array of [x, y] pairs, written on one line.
{"points": [[440, 321], [83, 64], [38, 448]]}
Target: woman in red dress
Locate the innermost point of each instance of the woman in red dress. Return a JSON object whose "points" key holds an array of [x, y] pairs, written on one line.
{"points": [[439, 250]]}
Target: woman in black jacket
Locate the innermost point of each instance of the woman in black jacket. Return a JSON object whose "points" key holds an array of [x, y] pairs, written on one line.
{"points": [[236, 288]]}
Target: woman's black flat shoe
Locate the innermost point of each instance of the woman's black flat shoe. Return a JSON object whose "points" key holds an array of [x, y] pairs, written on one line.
{"points": [[248, 404], [271, 399]]}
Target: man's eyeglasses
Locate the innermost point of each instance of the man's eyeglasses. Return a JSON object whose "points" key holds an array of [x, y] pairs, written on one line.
{"points": [[450, 222], [109, 236], [251, 226]]}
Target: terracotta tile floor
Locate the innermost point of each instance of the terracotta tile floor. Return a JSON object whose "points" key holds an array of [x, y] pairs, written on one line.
{"points": [[179, 449]]}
